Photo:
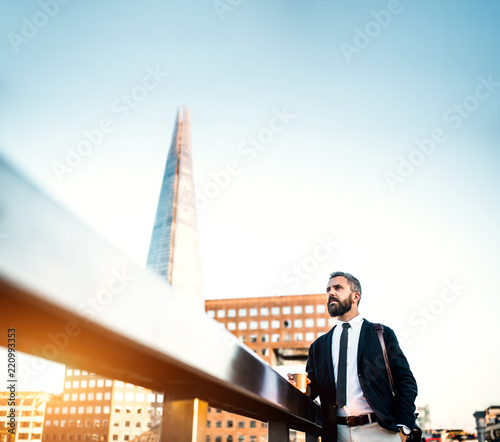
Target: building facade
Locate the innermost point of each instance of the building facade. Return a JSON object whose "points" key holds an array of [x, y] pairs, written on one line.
{"points": [[97, 409], [280, 330], [30, 410]]}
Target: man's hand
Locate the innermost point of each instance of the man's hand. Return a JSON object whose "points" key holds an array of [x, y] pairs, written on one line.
{"points": [[293, 381]]}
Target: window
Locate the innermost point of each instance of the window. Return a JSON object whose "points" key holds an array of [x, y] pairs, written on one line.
{"points": [[97, 423], [159, 411], [84, 384], [118, 396], [287, 310], [129, 396], [100, 382], [264, 325], [298, 323], [98, 396], [229, 424], [66, 397], [241, 424], [115, 436], [253, 438], [309, 308], [254, 325], [128, 410], [211, 313], [321, 322], [92, 383], [275, 311], [69, 372], [275, 337], [150, 397], [126, 437], [107, 396], [138, 424], [309, 322], [98, 409], [36, 436], [25, 424], [254, 312], [242, 312], [264, 311], [253, 424], [310, 336], [264, 338], [127, 423], [231, 313], [49, 410], [221, 313], [23, 436], [159, 398], [218, 424], [106, 409], [253, 338], [47, 423], [209, 424], [298, 337], [320, 308], [242, 325], [56, 423], [81, 410], [67, 384], [297, 309], [77, 372], [140, 397], [275, 324], [76, 384], [64, 410], [74, 396], [265, 352], [82, 396], [109, 383], [241, 438], [119, 383], [231, 325]]}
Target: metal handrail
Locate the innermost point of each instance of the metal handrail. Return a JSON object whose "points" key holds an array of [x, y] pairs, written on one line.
{"points": [[77, 300]]}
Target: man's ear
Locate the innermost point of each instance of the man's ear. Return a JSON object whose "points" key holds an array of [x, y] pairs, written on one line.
{"points": [[357, 296]]}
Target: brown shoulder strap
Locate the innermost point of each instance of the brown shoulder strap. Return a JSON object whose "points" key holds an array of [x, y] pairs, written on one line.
{"points": [[379, 328]]}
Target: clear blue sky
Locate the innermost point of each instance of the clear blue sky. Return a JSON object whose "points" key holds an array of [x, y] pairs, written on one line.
{"points": [[326, 135]]}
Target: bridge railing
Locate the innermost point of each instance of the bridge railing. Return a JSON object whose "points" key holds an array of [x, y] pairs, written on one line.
{"points": [[75, 299]]}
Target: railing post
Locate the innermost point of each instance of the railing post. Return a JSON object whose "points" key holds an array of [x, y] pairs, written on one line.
{"points": [[311, 437], [278, 432], [184, 420]]}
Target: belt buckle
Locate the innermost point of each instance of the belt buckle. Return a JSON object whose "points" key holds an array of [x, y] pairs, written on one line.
{"points": [[352, 421]]}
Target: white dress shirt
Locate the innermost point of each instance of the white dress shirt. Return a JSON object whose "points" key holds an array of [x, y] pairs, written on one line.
{"points": [[356, 402]]}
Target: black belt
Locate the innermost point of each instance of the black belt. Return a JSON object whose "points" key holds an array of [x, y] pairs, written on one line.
{"points": [[354, 421]]}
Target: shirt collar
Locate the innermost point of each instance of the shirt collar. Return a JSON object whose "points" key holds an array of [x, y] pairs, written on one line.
{"points": [[354, 321]]}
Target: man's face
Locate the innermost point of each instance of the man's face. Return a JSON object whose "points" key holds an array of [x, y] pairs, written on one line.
{"points": [[340, 296]]}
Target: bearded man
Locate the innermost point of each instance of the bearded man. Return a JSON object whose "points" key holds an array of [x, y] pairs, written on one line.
{"points": [[346, 369]]}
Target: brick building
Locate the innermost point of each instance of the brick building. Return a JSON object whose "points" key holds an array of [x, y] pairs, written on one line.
{"points": [[280, 330]]}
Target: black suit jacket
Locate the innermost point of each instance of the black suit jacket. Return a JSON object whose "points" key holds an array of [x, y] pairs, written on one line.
{"points": [[373, 378]]}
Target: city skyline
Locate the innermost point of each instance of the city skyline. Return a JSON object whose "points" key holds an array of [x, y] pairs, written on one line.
{"points": [[327, 136]]}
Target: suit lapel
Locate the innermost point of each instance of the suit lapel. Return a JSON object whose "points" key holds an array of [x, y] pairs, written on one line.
{"points": [[329, 358], [363, 337]]}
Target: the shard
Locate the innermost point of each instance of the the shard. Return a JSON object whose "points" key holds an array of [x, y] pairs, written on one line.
{"points": [[174, 248]]}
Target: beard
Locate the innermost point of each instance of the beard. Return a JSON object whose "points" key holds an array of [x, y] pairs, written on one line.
{"points": [[340, 308]]}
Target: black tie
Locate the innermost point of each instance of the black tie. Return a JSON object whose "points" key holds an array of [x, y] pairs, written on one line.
{"points": [[342, 368]]}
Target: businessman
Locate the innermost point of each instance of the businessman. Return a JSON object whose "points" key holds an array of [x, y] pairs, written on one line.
{"points": [[346, 369]]}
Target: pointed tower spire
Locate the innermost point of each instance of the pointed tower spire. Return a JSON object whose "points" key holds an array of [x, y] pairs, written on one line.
{"points": [[174, 249]]}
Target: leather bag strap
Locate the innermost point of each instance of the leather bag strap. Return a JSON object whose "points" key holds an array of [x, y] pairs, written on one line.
{"points": [[379, 328]]}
